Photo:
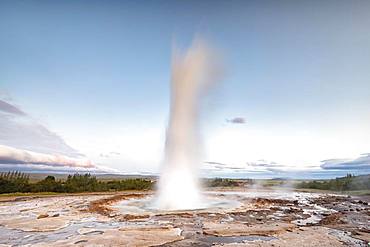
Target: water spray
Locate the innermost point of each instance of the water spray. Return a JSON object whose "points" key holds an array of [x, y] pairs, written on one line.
{"points": [[193, 73]]}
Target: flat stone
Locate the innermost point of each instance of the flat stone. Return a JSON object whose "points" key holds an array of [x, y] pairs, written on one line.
{"points": [[28, 224], [310, 237], [238, 229], [131, 236]]}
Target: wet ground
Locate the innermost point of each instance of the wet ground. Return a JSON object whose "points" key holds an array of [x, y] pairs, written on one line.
{"points": [[236, 218]]}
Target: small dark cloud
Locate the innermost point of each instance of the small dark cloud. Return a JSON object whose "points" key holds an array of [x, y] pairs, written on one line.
{"points": [[235, 168], [236, 120], [360, 163]]}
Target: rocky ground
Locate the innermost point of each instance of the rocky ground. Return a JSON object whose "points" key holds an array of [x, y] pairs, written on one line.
{"points": [[249, 218]]}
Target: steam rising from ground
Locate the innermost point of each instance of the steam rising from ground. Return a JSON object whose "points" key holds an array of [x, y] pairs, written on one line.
{"points": [[192, 75]]}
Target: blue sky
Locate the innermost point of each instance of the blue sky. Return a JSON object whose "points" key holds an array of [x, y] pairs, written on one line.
{"points": [[96, 75]]}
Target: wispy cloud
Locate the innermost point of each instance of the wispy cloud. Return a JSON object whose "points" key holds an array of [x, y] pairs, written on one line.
{"points": [[360, 163], [212, 165], [8, 108], [260, 167], [27, 144], [9, 155], [255, 166], [269, 169], [19, 130], [110, 154], [57, 169]]}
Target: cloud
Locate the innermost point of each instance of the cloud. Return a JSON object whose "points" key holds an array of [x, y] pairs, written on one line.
{"points": [[269, 169], [257, 166], [110, 154], [211, 165], [263, 163], [237, 120], [8, 108], [9, 155], [19, 130], [26, 144], [57, 169], [216, 165], [360, 163]]}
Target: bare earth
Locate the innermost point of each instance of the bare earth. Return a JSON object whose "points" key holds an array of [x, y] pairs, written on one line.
{"points": [[240, 218]]}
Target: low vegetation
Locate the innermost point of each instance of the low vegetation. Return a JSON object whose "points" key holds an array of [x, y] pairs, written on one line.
{"points": [[17, 182], [13, 182], [347, 183], [222, 182]]}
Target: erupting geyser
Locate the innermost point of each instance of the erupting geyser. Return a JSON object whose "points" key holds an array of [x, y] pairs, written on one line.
{"points": [[192, 75]]}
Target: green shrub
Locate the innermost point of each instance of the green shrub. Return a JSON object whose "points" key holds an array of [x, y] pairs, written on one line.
{"points": [[13, 182], [347, 183]]}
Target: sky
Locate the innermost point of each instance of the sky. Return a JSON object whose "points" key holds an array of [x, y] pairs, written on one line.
{"points": [[86, 83]]}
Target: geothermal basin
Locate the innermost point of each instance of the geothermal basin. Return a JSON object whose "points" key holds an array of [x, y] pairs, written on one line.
{"points": [[238, 217], [180, 212]]}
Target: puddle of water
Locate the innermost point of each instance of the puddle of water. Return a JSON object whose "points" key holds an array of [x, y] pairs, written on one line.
{"points": [[234, 239], [315, 215], [347, 239]]}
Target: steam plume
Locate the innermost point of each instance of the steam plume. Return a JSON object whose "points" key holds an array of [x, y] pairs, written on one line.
{"points": [[192, 75]]}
